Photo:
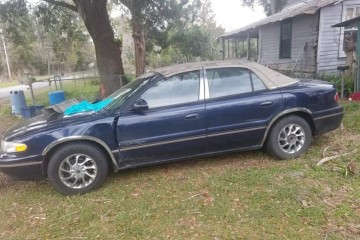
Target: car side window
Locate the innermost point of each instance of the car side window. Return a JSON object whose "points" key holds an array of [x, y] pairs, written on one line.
{"points": [[258, 84], [178, 89], [228, 81]]}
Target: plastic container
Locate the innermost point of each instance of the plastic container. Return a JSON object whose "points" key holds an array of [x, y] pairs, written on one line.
{"points": [[31, 111], [354, 96], [17, 101], [56, 97]]}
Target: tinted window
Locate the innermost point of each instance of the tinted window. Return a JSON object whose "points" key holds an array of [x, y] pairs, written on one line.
{"points": [[228, 81], [178, 89], [258, 84]]}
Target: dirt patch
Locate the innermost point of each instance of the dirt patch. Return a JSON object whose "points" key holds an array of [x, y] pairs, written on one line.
{"points": [[5, 182]]}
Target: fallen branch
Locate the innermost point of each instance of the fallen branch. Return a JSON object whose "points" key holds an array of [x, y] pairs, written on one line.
{"points": [[330, 232], [324, 151], [198, 194], [327, 159]]}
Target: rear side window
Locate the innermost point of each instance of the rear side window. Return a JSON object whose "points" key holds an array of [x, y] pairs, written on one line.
{"points": [[232, 81]]}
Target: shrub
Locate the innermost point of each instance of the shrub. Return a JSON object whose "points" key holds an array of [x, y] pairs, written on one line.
{"points": [[336, 80]]}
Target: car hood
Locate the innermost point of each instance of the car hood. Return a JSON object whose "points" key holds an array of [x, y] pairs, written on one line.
{"points": [[49, 122]]}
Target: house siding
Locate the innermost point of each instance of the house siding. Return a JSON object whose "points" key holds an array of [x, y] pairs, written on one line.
{"points": [[329, 38], [293, 2], [304, 31]]}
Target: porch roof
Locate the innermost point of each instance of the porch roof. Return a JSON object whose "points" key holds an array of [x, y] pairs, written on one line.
{"points": [[305, 7], [349, 23]]}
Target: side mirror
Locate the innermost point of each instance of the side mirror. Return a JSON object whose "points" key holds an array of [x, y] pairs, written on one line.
{"points": [[140, 105]]}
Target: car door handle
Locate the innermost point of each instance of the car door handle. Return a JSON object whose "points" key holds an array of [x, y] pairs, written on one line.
{"points": [[192, 117], [267, 103]]}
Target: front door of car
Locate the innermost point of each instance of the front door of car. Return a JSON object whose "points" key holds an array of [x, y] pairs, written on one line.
{"points": [[172, 127], [238, 108]]}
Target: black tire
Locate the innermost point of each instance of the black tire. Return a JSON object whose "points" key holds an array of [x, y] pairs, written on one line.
{"points": [[289, 138], [84, 163]]}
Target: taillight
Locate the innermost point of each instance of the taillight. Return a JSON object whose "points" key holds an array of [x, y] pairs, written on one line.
{"points": [[336, 97]]}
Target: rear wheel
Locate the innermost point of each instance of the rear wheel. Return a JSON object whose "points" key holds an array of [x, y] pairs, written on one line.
{"points": [[289, 138], [77, 168]]}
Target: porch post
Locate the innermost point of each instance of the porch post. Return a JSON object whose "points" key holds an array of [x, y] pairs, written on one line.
{"points": [[358, 59], [236, 47], [248, 45], [243, 46], [259, 47], [223, 47], [228, 47]]}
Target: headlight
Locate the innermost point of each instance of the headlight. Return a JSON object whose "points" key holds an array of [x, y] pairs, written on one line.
{"points": [[11, 147]]}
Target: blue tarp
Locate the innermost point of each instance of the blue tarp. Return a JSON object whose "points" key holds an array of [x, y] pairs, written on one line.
{"points": [[85, 106]]}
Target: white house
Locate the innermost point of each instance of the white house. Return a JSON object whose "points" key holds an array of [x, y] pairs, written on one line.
{"points": [[299, 38]]}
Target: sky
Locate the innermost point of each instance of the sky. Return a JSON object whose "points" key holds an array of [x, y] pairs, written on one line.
{"points": [[231, 15]]}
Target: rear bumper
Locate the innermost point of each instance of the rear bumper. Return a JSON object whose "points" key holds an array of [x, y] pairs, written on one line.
{"points": [[328, 122], [26, 168]]}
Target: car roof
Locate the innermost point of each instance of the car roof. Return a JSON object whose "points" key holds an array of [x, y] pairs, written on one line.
{"points": [[269, 77]]}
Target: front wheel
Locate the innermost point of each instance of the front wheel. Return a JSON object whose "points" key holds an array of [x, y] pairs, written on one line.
{"points": [[289, 138], [77, 168]]}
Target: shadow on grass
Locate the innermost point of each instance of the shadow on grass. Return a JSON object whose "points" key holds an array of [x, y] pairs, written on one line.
{"points": [[239, 160]]}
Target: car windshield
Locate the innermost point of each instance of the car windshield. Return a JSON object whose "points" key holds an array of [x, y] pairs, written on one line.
{"points": [[129, 89]]}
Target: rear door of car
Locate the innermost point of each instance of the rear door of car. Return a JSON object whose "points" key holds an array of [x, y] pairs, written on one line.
{"points": [[172, 127], [238, 108]]}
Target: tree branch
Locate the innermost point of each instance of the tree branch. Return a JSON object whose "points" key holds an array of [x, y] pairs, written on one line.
{"points": [[62, 4]]}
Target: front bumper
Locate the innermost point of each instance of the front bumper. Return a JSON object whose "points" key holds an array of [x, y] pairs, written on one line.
{"points": [[22, 168]]}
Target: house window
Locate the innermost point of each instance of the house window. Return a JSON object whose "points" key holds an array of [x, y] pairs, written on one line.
{"points": [[352, 12], [285, 39]]}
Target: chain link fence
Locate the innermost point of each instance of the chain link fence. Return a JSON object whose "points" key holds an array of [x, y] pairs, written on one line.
{"points": [[82, 87]]}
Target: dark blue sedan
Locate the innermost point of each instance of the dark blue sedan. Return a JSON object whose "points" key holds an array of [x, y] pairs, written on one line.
{"points": [[170, 114]]}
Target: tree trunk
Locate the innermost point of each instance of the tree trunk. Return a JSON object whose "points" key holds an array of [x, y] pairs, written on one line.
{"points": [[137, 8], [273, 6], [139, 45], [108, 50]]}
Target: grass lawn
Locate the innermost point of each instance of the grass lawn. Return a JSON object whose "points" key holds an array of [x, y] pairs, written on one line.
{"points": [[8, 84], [80, 89], [238, 196], [14, 83]]}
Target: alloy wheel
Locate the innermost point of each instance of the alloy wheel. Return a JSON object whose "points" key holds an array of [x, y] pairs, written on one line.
{"points": [[291, 138], [77, 171]]}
